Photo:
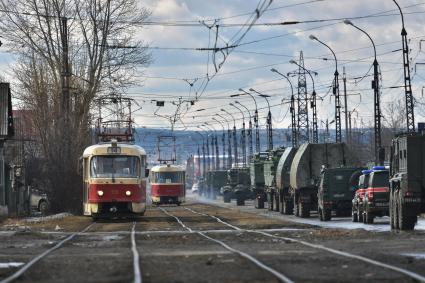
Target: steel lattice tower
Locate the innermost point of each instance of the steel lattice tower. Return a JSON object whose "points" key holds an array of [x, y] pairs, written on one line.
{"points": [[408, 85], [303, 127]]}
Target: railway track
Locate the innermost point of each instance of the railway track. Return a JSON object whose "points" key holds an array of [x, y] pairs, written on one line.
{"points": [[394, 268], [282, 277], [36, 259], [84, 232]]}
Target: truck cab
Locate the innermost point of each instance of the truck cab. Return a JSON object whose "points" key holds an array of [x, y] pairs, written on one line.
{"points": [[336, 191], [407, 180], [256, 168], [238, 185], [377, 195], [270, 167]]}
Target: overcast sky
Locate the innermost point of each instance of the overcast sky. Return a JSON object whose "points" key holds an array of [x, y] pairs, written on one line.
{"points": [[265, 47]]}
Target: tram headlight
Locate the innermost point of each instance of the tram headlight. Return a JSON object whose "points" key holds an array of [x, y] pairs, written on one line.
{"points": [[128, 193], [100, 193]]}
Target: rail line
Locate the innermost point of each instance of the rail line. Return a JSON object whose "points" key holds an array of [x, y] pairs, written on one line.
{"points": [[136, 256], [28, 265], [261, 265], [406, 272], [135, 253]]}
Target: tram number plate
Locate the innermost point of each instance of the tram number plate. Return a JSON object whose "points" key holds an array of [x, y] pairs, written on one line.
{"points": [[114, 192], [114, 149]]}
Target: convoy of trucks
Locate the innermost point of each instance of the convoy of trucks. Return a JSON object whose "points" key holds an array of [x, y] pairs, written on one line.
{"points": [[328, 179]]}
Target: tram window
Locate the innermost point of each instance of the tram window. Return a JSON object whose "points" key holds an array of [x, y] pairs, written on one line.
{"points": [[118, 166], [168, 177]]}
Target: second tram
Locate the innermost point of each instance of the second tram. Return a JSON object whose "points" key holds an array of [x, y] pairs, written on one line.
{"points": [[168, 184]]}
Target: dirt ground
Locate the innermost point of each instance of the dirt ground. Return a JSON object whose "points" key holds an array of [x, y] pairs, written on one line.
{"points": [[169, 252]]}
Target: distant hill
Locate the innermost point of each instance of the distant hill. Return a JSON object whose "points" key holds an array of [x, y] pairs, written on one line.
{"points": [[187, 141]]}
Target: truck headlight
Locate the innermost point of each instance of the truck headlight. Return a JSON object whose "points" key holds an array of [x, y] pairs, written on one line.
{"points": [[128, 193], [100, 193]]}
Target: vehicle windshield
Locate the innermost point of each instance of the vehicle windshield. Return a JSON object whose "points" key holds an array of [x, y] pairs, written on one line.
{"points": [[380, 179], [117, 166], [167, 177]]}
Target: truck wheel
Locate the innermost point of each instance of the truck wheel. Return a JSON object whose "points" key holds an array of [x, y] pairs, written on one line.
{"points": [[226, 197], [296, 208], [405, 222], [276, 202], [369, 218], [270, 201], [43, 207], [327, 214], [259, 202], [392, 211], [240, 201], [354, 216], [359, 215], [320, 214], [304, 210], [287, 207]]}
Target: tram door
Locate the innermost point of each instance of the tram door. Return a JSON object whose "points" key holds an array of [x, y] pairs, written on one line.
{"points": [[86, 206]]}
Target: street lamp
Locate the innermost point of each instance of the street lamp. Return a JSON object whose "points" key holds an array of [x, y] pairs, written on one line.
{"points": [[293, 114], [243, 137], [376, 95], [203, 155], [208, 150], [223, 139], [338, 137], [313, 103], [269, 120], [229, 142], [235, 143], [257, 131], [250, 128], [217, 153]]}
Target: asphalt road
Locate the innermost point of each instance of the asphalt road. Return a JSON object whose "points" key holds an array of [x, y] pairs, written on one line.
{"points": [[205, 242]]}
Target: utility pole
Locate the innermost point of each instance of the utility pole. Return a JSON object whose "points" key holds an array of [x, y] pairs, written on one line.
{"points": [[335, 91], [303, 125], [344, 79], [208, 155], [410, 117], [217, 154], [204, 164], [294, 123]]}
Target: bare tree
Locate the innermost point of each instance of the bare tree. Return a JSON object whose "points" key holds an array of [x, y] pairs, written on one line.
{"points": [[394, 121], [103, 54]]}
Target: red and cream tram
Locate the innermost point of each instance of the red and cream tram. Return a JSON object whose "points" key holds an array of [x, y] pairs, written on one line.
{"points": [[168, 184], [114, 180]]}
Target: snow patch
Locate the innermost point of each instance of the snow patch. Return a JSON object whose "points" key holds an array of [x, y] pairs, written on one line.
{"points": [[415, 255], [10, 264], [47, 218], [112, 238]]}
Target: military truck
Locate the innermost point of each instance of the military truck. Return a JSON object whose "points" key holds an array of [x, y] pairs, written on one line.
{"points": [[270, 166], [216, 180], [237, 186], [286, 201], [306, 168], [357, 202], [336, 190], [377, 195], [256, 169], [407, 181]]}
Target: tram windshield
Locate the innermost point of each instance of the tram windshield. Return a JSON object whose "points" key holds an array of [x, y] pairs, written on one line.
{"points": [[119, 166], [167, 177]]}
